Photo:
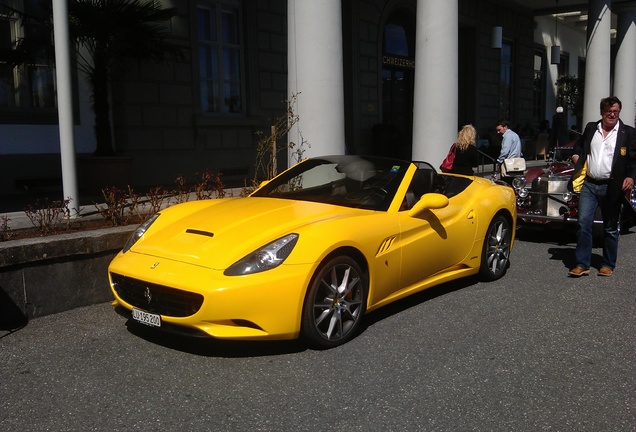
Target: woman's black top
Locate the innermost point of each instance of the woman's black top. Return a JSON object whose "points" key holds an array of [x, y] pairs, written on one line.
{"points": [[465, 160]]}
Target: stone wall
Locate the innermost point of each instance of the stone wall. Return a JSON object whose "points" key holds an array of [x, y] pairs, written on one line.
{"points": [[47, 275]]}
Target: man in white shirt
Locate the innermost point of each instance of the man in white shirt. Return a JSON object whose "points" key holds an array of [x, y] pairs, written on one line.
{"points": [[607, 150]]}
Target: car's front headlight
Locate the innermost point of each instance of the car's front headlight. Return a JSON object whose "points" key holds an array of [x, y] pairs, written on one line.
{"points": [[265, 258], [139, 232], [519, 182]]}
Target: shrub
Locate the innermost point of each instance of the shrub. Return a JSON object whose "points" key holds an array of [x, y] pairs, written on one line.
{"points": [[47, 217], [5, 230]]}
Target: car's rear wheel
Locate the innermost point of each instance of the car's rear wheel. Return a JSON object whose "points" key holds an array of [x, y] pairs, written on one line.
{"points": [[335, 303], [495, 257]]}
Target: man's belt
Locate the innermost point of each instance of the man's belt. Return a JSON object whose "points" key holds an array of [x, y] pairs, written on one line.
{"points": [[597, 181]]}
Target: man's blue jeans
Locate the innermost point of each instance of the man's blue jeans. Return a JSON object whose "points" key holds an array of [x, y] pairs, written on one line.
{"points": [[591, 197]]}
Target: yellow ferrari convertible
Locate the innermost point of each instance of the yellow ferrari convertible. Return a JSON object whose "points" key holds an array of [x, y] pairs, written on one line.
{"points": [[313, 250]]}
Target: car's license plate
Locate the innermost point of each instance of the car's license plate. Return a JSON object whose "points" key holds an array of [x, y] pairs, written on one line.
{"points": [[146, 318]]}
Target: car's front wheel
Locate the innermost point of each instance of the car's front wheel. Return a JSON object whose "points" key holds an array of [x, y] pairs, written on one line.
{"points": [[335, 303], [495, 257]]}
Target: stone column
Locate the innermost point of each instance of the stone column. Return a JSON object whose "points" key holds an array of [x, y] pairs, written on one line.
{"points": [[625, 64], [315, 74], [436, 79], [597, 66]]}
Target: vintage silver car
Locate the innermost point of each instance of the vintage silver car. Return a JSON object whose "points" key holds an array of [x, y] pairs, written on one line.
{"points": [[543, 195], [542, 192]]}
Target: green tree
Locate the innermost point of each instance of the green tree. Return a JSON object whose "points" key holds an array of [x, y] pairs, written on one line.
{"points": [[570, 91], [106, 34]]}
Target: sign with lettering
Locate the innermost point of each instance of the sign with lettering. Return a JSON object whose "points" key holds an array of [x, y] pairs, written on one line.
{"points": [[401, 62]]}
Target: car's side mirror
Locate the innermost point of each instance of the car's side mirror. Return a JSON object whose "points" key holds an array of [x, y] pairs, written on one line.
{"points": [[263, 183], [429, 201]]}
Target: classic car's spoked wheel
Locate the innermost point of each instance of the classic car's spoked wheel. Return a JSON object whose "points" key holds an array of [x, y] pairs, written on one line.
{"points": [[335, 303], [495, 256]]}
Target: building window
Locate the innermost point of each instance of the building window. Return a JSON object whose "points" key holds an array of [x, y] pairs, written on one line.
{"points": [[27, 62], [506, 81], [564, 65], [220, 58]]}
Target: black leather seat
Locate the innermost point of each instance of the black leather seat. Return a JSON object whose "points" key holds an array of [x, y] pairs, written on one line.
{"points": [[423, 182]]}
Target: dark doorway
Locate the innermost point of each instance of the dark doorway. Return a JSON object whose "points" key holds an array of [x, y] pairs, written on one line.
{"points": [[394, 135]]}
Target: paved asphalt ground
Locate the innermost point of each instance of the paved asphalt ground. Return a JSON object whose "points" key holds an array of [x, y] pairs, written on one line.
{"points": [[534, 351]]}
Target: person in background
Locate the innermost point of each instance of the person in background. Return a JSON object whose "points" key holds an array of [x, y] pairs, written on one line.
{"points": [[607, 151], [544, 127], [559, 135], [466, 156], [510, 145]]}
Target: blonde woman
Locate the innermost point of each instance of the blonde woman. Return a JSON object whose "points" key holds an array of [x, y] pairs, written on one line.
{"points": [[466, 156]]}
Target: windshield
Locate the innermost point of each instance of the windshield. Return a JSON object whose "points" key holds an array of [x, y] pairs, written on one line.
{"points": [[563, 154], [349, 181]]}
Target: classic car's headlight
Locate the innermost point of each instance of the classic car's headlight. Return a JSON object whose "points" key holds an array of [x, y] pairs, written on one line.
{"points": [[523, 193], [139, 232], [567, 197], [265, 258], [519, 182]]}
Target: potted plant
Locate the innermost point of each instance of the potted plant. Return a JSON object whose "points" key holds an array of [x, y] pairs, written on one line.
{"points": [[106, 34], [570, 91]]}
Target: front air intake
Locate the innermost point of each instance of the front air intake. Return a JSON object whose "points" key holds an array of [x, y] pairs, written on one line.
{"points": [[156, 298]]}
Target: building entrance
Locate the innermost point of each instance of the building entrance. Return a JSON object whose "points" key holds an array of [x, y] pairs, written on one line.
{"points": [[393, 136]]}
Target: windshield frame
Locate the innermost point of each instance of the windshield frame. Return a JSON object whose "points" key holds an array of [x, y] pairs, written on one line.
{"points": [[363, 182]]}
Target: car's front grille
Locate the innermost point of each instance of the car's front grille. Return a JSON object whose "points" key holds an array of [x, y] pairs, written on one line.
{"points": [[155, 298], [546, 197]]}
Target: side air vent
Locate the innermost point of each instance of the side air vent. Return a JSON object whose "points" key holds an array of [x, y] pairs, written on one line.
{"points": [[386, 245]]}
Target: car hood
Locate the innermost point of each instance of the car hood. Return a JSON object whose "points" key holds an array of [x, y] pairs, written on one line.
{"points": [[218, 235], [556, 169], [562, 169]]}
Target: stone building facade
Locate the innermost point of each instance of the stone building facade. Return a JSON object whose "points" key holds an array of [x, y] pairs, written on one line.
{"points": [[204, 112]]}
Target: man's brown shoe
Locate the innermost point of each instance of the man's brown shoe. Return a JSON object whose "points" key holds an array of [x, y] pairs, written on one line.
{"points": [[579, 271], [605, 271]]}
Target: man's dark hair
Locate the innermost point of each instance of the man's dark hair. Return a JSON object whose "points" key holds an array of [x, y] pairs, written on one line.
{"points": [[504, 123], [609, 101]]}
